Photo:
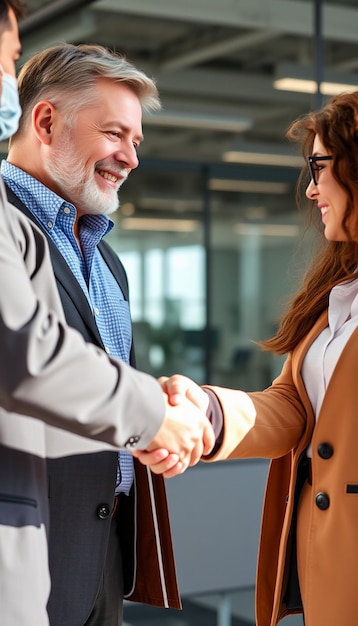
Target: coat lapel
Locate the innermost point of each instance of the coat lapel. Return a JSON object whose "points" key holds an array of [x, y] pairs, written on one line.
{"points": [[300, 352], [297, 358]]}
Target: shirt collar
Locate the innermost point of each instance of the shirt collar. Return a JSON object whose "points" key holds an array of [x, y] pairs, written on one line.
{"points": [[342, 303]]}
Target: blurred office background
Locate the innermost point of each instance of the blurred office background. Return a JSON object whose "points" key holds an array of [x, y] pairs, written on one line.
{"points": [[209, 232]]}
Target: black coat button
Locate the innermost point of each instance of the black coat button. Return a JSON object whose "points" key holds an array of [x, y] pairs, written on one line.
{"points": [[325, 450], [103, 511], [322, 501], [132, 441]]}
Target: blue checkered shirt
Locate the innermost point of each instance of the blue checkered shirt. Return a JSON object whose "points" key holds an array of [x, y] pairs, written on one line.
{"points": [[110, 309]]}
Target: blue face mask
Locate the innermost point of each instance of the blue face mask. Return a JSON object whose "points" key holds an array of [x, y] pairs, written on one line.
{"points": [[10, 110]]}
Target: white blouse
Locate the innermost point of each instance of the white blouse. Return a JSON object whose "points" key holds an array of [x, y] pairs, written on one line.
{"points": [[323, 354]]}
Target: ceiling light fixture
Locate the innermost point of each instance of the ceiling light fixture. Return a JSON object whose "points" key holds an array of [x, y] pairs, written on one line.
{"points": [[261, 158], [174, 203], [247, 186], [256, 153], [156, 224], [182, 119], [300, 78]]}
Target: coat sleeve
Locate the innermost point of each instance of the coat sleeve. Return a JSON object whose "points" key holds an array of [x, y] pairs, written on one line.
{"points": [[47, 371], [266, 424]]}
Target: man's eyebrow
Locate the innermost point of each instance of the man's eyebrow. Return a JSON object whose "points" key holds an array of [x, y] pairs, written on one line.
{"points": [[127, 129]]}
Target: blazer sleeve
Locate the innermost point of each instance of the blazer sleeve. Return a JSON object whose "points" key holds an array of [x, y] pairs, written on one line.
{"points": [[47, 371], [265, 424]]}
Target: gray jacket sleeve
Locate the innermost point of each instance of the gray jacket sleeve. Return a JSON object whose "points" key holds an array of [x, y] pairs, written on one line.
{"points": [[47, 371]]}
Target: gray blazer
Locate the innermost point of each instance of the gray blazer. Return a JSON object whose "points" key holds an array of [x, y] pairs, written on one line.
{"points": [[50, 379], [80, 485]]}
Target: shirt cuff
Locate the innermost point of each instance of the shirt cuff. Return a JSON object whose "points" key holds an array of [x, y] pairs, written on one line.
{"points": [[215, 416]]}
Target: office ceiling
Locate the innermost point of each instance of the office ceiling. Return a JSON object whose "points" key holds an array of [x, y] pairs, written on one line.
{"points": [[214, 62]]}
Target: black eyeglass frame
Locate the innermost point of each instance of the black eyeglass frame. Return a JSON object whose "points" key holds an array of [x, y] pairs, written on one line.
{"points": [[311, 161]]}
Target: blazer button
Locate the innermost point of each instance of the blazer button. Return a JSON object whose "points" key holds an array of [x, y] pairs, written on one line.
{"points": [[322, 501], [103, 511], [325, 450], [132, 441]]}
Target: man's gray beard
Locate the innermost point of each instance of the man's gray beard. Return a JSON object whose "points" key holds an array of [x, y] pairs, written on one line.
{"points": [[69, 175]]}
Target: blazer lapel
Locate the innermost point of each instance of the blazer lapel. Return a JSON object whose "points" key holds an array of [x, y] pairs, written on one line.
{"points": [[298, 355], [300, 352], [62, 272]]}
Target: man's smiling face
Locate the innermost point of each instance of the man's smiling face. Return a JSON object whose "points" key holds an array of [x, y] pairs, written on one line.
{"points": [[88, 162]]}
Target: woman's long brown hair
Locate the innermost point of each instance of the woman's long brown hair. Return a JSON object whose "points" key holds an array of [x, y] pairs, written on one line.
{"points": [[337, 127]]}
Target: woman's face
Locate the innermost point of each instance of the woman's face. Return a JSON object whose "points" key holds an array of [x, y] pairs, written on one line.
{"points": [[330, 197]]}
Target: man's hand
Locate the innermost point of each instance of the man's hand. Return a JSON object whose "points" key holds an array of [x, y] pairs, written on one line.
{"points": [[161, 461], [185, 435], [179, 387]]}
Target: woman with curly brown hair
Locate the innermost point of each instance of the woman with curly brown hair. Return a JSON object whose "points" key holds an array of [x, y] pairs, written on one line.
{"points": [[307, 420]]}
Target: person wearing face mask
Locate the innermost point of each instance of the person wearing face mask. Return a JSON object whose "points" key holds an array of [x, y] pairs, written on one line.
{"points": [[76, 144], [306, 421], [59, 395], [10, 109]]}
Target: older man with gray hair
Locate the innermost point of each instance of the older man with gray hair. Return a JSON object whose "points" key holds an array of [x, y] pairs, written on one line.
{"points": [[52, 382], [76, 144]]}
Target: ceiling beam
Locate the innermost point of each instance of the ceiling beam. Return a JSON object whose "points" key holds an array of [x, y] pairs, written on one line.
{"points": [[75, 26], [225, 85], [48, 14], [294, 17], [216, 49]]}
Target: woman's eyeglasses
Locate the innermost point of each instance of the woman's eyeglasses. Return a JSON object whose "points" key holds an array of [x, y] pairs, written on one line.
{"points": [[315, 169]]}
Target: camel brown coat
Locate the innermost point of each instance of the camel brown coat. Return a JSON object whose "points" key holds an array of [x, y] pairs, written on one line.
{"points": [[278, 423]]}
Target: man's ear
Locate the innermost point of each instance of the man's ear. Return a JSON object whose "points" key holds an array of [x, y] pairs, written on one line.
{"points": [[43, 117]]}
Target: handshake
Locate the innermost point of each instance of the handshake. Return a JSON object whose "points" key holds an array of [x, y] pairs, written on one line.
{"points": [[186, 433]]}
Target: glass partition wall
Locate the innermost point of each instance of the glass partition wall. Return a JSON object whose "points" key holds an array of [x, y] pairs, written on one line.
{"points": [[211, 257]]}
